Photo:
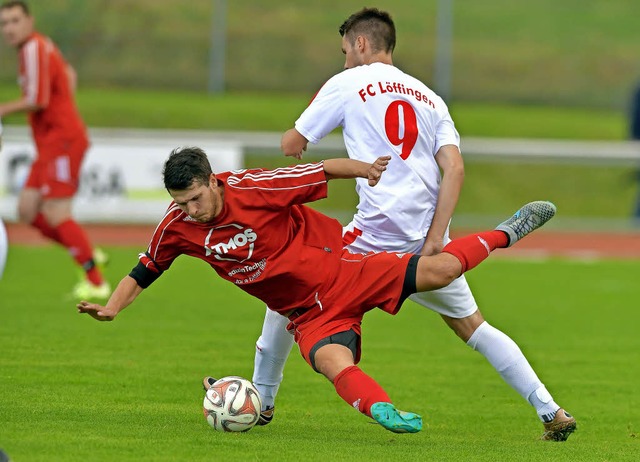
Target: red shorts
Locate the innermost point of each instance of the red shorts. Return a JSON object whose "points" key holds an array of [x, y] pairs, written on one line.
{"points": [[364, 282], [57, 174]]}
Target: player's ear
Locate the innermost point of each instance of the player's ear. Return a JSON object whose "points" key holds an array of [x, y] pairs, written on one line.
{"points": [[213, 182]]}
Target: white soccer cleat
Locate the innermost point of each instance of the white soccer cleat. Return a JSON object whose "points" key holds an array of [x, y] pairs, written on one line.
{"points": [[529, 218]]}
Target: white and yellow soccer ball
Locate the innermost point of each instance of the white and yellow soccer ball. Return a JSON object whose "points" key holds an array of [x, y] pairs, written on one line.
{"points": [[232, 404]]}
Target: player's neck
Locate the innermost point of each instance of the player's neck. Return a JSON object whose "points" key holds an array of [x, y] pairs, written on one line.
{"points": [[383, 58]]}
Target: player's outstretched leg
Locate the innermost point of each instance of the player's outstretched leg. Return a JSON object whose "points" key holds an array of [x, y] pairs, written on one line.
{"points": [[529, 218], [395, 420]]}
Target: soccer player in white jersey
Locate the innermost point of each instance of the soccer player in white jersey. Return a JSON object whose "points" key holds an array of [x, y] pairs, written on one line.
{"points": [[384, 111]]}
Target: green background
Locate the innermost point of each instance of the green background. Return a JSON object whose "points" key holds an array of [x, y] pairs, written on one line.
{"points": [[559, 53]]}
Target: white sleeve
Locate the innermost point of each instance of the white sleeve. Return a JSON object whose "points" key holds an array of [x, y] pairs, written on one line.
{"points": [[446, 132], [324, 113]]}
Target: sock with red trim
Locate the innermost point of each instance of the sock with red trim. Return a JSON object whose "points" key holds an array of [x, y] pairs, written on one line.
{"points": [[359, 390], [74, 238], [473, 249], [42, 225]]}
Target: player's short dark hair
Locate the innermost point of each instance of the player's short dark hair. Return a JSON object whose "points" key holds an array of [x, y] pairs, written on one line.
{"points": [[16, 3], [186, 166], [376, 25]]}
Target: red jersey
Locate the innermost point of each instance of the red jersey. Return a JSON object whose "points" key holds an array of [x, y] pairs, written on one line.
{"points": [[263, 240], [44, 81]]}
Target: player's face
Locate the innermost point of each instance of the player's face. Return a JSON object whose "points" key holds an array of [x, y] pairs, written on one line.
{"points": [[16, 25], [201, 202], [353, 57]]}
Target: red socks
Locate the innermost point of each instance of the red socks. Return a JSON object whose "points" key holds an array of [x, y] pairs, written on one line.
{"points": [[42, 225], [71, 235], [473, 249], [359, 390]]}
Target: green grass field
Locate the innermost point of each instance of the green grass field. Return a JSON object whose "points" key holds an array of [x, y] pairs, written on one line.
{"points": [[74, 389]]}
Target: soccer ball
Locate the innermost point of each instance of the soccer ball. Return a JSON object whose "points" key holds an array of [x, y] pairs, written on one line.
{"points": [[232, 404]]}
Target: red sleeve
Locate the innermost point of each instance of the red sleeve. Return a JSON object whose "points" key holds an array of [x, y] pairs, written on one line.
{"points": [[36, 72], [164, 247], [286, 186]]}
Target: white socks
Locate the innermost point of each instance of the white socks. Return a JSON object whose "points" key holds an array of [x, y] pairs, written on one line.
{"points": [[272, 350], [505, 356]]}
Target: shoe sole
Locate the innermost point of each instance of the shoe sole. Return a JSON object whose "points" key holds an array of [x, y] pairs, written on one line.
{"points": [[561, 434], [540, 211]]}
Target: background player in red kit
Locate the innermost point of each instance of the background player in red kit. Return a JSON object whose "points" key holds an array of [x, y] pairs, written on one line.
{"points": [[48, 85], [250, 226]]}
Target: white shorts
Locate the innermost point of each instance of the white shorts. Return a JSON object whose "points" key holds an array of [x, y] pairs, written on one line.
{"points": [[4, 247], [454, 300]]}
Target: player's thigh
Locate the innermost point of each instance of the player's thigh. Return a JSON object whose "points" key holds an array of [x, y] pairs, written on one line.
{"points": [[454, 300], [56, 210], [332, 358], [29, 203], [437, 271]]}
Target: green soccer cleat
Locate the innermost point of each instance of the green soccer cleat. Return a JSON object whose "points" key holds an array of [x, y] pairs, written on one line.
{"points": [[84, 290], [394, 420], [100, 258]]}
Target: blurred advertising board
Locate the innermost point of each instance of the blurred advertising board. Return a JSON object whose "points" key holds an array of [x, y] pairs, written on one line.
{"points": [[121, 177]]}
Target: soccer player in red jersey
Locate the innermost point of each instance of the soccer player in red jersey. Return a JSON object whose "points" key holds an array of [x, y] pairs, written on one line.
{"points": [[252, 228], [48, 85]]}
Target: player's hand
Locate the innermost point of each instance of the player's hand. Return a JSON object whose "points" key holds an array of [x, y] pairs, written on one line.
{"points": [[96, 311], [293, 144], [376, 169], [297, 155], [432, 247]]}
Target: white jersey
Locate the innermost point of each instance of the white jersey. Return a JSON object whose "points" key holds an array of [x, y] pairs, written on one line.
{"points": [[384, 111]]}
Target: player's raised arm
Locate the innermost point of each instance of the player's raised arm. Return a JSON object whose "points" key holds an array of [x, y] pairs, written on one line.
{"points": [[123, 296], [349, 168]]}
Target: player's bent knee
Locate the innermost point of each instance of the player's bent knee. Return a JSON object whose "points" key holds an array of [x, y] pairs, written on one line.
{"points": [[332, 354], [436, 272]]}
